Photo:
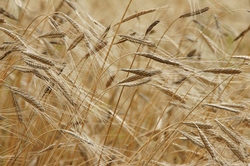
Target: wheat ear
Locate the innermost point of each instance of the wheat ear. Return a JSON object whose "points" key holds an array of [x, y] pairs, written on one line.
{"points": [[195, 12]]}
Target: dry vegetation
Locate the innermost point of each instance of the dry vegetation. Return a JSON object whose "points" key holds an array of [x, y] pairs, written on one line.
{"points": [[124, 82]]}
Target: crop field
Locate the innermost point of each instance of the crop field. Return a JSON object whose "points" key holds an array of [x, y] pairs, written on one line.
{"points": [[124, 82]]}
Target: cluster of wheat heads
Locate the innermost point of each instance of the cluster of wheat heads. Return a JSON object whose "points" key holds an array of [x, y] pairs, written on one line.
{"points": [[121, 83]]}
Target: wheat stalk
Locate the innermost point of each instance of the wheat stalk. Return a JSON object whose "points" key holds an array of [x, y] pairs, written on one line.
{"points": [[195, 12], [229, 132], [138, 41], [222, 107], [170, 93], [136, 15], [27, 97], [13, 36], [195, 140], [135, 83], [53, 34], [142, 72], [199, 124], [38, 58], [235, 149], [223, 71], [35, 64], [158, 59]]}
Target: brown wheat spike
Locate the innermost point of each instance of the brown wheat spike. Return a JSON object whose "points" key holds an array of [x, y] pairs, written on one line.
{"points": [[207, 144], [53, 34], [6, 53], [111, 79], [18, 109], [27, 97], [142, 72], [131, 78], [13, 36], [191, 53], [235, 149], [105, 32], [136, 15], [242, 33], [35, 64], [77, 136], [151, 27], [244, 57], [7, 14], [138, 41], [136, 83], [229, 132], [223, 71], [222, 107], [77, 40], [195, 140], [158, 59], [170, 93], [72, 22], [9, 47], [2, 20], [38, 58], [199, 124], [195, 12]]}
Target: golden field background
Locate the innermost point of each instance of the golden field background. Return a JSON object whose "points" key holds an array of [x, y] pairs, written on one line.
{"points": [[79, 86]]}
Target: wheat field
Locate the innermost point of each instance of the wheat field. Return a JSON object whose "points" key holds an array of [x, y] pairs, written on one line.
{"points": [[129, 82]]}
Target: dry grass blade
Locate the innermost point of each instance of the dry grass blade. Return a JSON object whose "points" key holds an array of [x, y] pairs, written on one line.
{"points": [[207, 144], [35, 64], [18, 109], [199, 124], [222, 107], [223, 71], [27, 97], [77, 40], [242, 33], [131, 78], [13, 36], [138, 41], [170, 93], [204, 80], [195, 12], [50, 147], [229, 132], [239, 106], [7, 14], [38, 58], [142, 72], [136, 15], [135, 83], [195, 140], [234, 148], [53, 34], [158, 59], [151, 26]]}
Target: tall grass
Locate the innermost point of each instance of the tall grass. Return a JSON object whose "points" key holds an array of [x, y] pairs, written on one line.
{"points": [[124, 82]]}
